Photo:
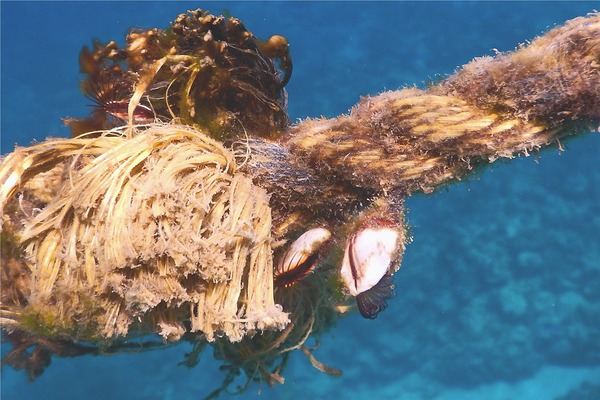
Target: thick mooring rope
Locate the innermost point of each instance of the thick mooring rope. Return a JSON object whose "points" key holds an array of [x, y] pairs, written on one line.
{"points": [[158, 229]]}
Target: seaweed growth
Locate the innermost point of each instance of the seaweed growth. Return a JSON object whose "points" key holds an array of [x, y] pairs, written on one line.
{"points": [[186, 207], [206, 71]]}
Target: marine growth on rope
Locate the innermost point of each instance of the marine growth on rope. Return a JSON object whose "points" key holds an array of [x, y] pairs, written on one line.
{"points": [[187, 207]]}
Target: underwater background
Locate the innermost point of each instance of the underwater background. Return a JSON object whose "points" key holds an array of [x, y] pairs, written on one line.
{"points": [[498, 296]]}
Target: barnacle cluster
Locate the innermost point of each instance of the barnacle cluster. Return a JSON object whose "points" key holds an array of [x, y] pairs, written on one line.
{"points": [[185, 206]]}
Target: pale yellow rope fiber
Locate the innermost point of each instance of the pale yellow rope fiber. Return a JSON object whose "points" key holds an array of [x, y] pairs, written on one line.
{"points": [[142, 226]]}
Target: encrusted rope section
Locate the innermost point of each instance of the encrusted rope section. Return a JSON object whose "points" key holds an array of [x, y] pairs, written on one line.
{"points": [[412, 141]]}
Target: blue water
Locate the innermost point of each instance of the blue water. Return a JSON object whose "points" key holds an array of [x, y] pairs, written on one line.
{"points": [[499, 293]]}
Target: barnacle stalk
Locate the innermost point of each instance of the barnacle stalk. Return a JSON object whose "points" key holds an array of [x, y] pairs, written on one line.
{"points": [[173, 226]]}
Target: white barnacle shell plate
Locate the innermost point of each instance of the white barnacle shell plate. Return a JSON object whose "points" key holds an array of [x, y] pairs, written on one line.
{"points": [[369, 254], [301, 257], [307, 244]]}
